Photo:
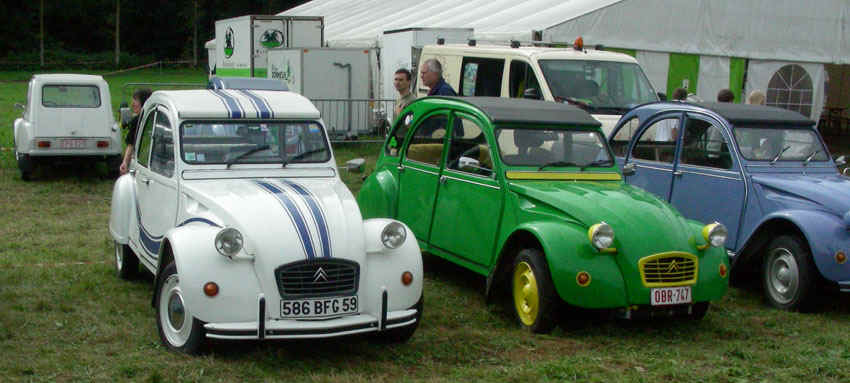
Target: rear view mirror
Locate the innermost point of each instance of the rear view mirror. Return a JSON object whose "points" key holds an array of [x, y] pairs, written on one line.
{"points": [[531, 93], [629, 169], [840, 161]]}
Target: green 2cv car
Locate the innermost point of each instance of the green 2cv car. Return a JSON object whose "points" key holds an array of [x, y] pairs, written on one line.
{"points": [[527, 194]]}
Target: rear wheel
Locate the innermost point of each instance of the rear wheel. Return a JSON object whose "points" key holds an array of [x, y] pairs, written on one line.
{"points": [[787, 275], [534, 297], [126, 263], [178, 329]]}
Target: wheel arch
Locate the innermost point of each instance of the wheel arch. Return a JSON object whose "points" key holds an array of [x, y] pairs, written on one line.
{"points": [[520, 239], [750, 257], [166, 256]]}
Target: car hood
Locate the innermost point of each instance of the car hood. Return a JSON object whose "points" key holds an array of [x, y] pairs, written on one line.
{"points": [[282, 220], [636, 216], [830, 192]]}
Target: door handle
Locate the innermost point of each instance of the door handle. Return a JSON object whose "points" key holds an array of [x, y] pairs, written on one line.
{"points": [[400, 168], [147, 181], [442, 179], [132, 172], [677, 172]]}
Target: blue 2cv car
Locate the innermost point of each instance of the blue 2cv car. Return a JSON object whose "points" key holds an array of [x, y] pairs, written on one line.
{"points": [[764, 172]]}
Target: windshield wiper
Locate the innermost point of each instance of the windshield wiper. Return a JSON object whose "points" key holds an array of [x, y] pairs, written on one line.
{"points": [[809, 158], [779, 154], [557, 163], [287, 160], [596, 163], [248, 153]]}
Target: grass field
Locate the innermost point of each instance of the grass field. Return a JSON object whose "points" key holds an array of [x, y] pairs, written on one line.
{"points": [[65, 316]]}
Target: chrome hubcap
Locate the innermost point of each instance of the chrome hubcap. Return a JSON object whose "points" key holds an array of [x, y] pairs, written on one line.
{"points": [[175, 319], [782, 276]]}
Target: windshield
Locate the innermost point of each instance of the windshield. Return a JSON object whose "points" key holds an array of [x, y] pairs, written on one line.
{"points": [[549, 147], [763, 143], [602, 87], [253, 142]]}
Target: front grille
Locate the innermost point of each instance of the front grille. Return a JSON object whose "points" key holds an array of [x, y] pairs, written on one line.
{"points": [[669, 269], [318, 278]]}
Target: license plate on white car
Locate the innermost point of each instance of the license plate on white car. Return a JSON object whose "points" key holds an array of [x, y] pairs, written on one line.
{"points": [[670, 296], [318, 308], [72, 144]]}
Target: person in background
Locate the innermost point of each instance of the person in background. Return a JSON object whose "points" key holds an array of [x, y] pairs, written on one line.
{"points": [[680, 94], [139, 98], [432, 76], [756, 97], [725, 95], [668, 130], [401, 81]]}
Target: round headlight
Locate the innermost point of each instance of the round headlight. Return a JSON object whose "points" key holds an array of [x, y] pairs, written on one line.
{"points": [[393, 235], [715, 234], [601, 235], [228, 241]]}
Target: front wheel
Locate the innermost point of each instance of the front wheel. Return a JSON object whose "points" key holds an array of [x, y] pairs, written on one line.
{"points": [[787, 274], [534, 297], [126, 263], [178, 329]]}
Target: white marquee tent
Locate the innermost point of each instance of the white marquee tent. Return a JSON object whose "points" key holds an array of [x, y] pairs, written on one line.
{"points": [[706, 45]]}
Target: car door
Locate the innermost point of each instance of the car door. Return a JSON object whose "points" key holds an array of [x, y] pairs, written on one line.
{"points": [[653, 154], [156, 186], [708, 184], [469, 200], [419, 173]]}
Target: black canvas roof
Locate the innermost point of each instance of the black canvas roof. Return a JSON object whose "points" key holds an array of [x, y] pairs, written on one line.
{"points": [[749, 114], [529, 111]]}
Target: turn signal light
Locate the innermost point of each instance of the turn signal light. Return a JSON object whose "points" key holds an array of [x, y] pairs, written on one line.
{"points": [[211, 289], [840, 257], [723, 270], [583, 278], [406, 278], [103, 144], [44, 144]]}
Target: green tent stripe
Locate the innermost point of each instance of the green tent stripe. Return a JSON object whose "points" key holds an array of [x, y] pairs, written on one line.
{"points": [[682, 66], [737, 68]]}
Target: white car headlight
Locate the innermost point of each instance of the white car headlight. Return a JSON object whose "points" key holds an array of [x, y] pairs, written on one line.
{"points": [[228, 241], [601, 235], [393, 235], [715, 234]]}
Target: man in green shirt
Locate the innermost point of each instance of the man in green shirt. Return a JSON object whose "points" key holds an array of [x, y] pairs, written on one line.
{"points": [[401, 81]]}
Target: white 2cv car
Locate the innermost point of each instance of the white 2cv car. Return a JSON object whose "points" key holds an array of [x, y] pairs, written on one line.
{"points": [[234, 203]]}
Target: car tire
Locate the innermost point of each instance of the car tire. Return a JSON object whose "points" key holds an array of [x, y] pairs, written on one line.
{"points": [[126, 262], [25, 165], [535, 301], [178, 329], [787, 274], [402, 334], [698, 310]]}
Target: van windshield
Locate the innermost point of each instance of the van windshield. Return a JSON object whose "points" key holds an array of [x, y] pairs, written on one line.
{"points": [[600, 87]]}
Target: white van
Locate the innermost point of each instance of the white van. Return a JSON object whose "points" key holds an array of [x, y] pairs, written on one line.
{"points": [[606, 84], [67, 116]]}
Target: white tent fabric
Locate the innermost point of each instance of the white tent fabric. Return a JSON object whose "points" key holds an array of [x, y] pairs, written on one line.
{"points": [[759, 73], [361, 23], [789, 30], [655, 65], [713, 76]]}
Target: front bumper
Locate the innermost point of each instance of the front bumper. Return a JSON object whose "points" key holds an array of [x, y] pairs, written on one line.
{"points": [[301, 329]]}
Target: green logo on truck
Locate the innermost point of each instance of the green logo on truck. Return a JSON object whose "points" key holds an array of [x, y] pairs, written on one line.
{"points": [[272, 38], [228, 42]]}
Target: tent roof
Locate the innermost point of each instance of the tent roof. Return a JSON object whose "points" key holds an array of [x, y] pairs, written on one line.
{"points": [[788, 30]]}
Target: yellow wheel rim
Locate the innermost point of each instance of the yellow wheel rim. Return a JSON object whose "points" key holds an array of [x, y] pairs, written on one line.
{"points": [[526, 298]]}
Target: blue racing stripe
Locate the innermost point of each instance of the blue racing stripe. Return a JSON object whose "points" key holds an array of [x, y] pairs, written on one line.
{"points": [[260, 103], [197, 219], [150, 243], [231, 103], [294, 215], [318, 214]]}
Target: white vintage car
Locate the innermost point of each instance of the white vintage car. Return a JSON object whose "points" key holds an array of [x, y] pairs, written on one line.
{"points": [[251, 238], [67, 116]]}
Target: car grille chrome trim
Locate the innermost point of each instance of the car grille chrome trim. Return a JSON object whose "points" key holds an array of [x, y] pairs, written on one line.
{"points": [[674, 268], [317, 278]]}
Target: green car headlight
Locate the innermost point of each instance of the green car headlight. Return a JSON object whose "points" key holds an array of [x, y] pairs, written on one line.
{"points": [[714, 234], [228, 241], [601, 235]]}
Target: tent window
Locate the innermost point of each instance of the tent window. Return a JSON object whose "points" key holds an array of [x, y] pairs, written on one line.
{"points": [[791, 88], [481, 77]]}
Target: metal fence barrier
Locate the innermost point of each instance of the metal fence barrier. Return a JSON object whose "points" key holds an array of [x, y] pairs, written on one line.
{"points": [[350, 117]]}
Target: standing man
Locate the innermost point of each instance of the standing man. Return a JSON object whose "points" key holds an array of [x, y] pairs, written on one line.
{"points": [[432, 76], [725, 95], [401, 81]]}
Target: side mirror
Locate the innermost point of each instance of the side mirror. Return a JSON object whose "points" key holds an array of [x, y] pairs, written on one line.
{"points": [[840, 161], [467, 162], [355, 165], [126, 114], [662, 96], [629, 169], [531, 93]]}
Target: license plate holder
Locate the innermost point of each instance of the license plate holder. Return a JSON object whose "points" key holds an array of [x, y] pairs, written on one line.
{"points": [[665, 296], [316, 308], [72, 144]]}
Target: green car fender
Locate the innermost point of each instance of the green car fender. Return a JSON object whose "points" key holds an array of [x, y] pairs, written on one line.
{"points": [[568, 252], [377, 196], [713, 274]]}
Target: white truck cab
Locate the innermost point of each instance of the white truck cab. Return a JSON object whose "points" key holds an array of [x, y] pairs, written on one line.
{"points": [[67, 116], [604, 83]]}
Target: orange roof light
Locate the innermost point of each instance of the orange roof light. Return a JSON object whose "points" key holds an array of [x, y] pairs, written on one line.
{"points": [[578, 44]]}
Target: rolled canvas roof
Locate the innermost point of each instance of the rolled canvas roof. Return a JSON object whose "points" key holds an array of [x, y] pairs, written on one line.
{"points": [[788, 30]]}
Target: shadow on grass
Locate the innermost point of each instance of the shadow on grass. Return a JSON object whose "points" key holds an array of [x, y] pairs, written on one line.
{"points": [[84, 171]]}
